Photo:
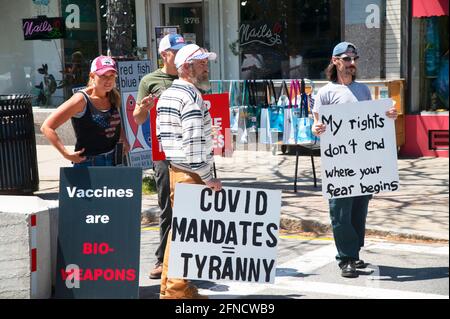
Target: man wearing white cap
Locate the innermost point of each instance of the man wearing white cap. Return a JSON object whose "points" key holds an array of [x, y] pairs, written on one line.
{"points": [[151, 87], [184, 128]]}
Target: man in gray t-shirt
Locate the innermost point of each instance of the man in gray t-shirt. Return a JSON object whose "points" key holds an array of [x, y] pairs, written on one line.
{"points": [[348, 215]]}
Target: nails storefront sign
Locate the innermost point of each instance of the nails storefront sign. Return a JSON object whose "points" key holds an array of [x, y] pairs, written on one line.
{"points": [[43, 28]]}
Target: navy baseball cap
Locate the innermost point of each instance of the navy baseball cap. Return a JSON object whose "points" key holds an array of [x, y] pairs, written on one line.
{"points": [[344, 47], [171, 41]]}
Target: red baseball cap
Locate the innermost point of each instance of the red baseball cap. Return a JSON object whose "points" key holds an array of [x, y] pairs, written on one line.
{"points": [[103, 64]]}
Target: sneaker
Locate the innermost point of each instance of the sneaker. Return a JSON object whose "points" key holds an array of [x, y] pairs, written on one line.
{"points": [[157, 271], [348, 270], [360, 264]]}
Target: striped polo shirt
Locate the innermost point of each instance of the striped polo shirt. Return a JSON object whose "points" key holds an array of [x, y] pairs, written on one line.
{"points": [[183, 126]]}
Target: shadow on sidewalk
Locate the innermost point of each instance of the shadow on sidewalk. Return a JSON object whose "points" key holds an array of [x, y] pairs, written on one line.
{"points": [[399, 274]]}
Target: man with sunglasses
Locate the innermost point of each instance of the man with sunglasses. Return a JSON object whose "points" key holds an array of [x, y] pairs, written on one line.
{"points": [[348, 215], [152, 86]]}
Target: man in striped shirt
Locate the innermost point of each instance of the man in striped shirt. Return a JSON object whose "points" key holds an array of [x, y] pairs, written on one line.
{"points": [[183, 126]]}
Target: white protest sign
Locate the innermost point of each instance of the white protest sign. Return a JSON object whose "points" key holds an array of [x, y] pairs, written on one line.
{"points": [[138, 136], [358, 149], [229, 235]]}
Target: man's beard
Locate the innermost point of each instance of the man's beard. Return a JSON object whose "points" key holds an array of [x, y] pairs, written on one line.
{"points": [[201, 81], [351, 71]]}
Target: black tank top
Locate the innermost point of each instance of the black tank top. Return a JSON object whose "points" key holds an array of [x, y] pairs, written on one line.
{"points": [[96, 131]]}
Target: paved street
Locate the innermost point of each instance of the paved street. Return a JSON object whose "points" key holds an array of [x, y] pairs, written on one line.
{"points": [[306, 270]]}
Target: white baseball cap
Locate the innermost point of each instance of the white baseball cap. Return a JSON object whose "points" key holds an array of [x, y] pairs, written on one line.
{"points": [[192, 52], [171, 41]]}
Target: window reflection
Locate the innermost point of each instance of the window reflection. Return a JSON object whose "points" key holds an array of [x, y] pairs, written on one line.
{"points": [[287, 38]]}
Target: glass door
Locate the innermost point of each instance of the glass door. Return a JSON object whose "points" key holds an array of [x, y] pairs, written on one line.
{"points": [[189, 17]]}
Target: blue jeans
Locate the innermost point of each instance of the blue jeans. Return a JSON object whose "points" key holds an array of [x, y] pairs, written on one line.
{"points": [[106, 159], [348, 219]]}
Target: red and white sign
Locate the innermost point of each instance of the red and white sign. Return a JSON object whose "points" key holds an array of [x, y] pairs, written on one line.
{"points": [[219, 108]]}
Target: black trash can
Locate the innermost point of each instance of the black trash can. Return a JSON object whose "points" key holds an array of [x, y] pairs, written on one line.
{"points": [[18, 158]]}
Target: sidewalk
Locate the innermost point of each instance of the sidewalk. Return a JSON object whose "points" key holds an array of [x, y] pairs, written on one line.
{"points": [[420, 209]]}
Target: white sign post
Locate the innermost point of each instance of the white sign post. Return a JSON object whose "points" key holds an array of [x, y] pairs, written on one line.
{"points": [[138, 136], [358, 149], [230, 235]]}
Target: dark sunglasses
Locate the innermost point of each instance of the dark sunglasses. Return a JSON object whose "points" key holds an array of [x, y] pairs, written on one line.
{"points": [[349, 58]]}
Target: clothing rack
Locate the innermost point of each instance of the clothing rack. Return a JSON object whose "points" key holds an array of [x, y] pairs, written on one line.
{"points": [[297, 147]]}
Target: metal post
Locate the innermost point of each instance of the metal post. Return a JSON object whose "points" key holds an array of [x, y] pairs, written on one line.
{"points": [[296, 168]]}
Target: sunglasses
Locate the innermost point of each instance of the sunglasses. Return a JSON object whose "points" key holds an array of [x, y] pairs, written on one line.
{"points": [[349, 58]]}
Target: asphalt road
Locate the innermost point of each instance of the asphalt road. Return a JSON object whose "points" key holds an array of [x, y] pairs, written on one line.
{"points": [[306, 269]]}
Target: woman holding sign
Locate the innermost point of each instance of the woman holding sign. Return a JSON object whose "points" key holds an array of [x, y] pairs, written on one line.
{"points": [[348, 215], [94, 112]]}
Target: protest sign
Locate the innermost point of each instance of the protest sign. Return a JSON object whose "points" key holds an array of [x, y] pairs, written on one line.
{"points": [[358, 149], [229, 235], [219, 109], [99, 233], [138, 136]]}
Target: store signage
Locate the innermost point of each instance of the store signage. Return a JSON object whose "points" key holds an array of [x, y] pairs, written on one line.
{"points": [[262, 34], [358, 149], [138, 136], [230, 235], [219, 109], [99, 233], [43, 28]]}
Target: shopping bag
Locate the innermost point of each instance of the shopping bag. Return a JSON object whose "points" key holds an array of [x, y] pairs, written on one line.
{"points": [[292, 115], [276, 114], [253, 110], [234, 108], [264, 131], [242, 133], [304, 135]]}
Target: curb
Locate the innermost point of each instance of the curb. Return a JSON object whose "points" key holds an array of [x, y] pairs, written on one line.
{"points": [[312, 226], [297, 225]]}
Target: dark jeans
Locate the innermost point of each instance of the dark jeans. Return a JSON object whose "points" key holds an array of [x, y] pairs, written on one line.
{"points": [[106, 159], [348, 219], [162, 180]]}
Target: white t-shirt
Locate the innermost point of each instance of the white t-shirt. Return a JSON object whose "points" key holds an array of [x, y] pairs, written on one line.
{"points": [[334, 93]]}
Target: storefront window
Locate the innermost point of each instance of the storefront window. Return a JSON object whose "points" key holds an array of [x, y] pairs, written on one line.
{"points": [[86, 38], [429, 64], [30, 66], [286, 38], [80, 44]]}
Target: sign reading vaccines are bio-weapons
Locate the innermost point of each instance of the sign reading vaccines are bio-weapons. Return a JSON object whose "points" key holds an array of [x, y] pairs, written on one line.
{"points": [[99, 233], [358, 149], [230, 235], [138, 136]]}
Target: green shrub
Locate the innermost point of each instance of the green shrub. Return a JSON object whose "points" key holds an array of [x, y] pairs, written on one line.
{"points": [[148, 186]]}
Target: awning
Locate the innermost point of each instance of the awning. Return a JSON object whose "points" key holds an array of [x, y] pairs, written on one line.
{"points": [[430, 8]]}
